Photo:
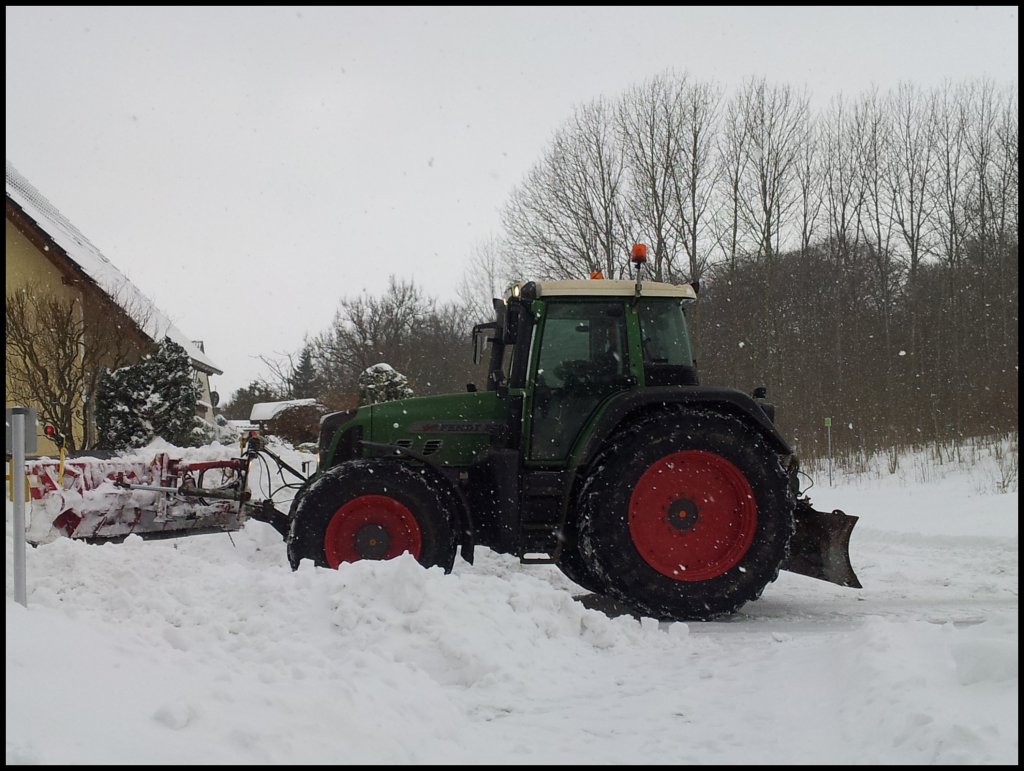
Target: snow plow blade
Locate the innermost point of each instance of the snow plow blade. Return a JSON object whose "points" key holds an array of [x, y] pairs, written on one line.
{"points": [[821, 546]]}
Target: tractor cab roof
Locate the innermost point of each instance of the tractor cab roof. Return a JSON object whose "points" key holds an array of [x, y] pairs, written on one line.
{"points": [[602, 288]]}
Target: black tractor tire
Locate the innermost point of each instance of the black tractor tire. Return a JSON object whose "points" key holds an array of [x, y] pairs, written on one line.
{"points": [[299, 495], [573, 565], [373, 509], [687, 516]]}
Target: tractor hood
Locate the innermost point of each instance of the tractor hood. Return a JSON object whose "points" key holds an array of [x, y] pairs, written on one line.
{"points": [[453, 429]]}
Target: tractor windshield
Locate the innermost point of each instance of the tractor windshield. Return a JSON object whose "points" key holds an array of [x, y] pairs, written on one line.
{"points": [[668, 358]]}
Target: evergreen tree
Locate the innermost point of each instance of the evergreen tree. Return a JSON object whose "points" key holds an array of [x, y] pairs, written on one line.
{"points": [[154, 398], [174, 393], [242, 400], [382, 383], [120, 422], [304, 382]]}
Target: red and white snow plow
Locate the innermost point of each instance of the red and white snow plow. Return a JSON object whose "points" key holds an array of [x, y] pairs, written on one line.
{"points": [[150, 494]]}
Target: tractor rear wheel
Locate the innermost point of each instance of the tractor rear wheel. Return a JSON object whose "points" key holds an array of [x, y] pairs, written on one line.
{"points": [[373, 509], [573, 565], [688, 516]]}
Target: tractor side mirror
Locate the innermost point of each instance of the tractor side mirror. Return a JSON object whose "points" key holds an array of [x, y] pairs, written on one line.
{"points": [[480, 340]]}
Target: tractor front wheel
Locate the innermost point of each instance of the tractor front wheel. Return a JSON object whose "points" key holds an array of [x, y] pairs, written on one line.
{"points": [[373, 509]]}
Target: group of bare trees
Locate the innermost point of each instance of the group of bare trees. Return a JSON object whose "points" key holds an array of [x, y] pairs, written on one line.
{"points": [[425, 341], [403, 328], [858, 259], [707, 178]]}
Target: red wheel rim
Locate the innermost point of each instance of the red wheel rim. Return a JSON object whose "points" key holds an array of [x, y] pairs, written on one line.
{"points": [[692, 515], [371, 527]]}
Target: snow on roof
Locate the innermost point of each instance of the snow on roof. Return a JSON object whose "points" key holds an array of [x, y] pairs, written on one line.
{"points": [[270, 410], [82, 252]]}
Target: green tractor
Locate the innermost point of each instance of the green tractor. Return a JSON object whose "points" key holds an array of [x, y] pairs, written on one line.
{"points": [[593, 447]]}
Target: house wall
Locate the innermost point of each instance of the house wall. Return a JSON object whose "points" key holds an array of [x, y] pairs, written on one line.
{"points": [[27, 266], [204, 407]]}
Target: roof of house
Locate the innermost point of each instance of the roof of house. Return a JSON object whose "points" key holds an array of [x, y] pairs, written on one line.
{"points": [[108, 278]]}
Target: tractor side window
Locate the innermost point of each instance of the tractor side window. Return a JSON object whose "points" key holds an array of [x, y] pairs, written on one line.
{"points": [[582, 360], [667, 356], [565, 341]]}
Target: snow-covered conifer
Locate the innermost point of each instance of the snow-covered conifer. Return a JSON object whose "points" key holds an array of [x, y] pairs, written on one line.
{"points": [[154, 398], [382, 383]]}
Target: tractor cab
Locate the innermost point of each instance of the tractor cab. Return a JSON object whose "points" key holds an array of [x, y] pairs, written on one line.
{"points": [[562, 348]]}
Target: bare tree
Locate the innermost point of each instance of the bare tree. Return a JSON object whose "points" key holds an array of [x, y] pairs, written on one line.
{"points": [[911, 169], [404, 329], [732, 159], [279, 373], [566, 219], [953, 183], [808, 175], [909, 176], [873, 136], [443, 350], [487, 276], [1006, 209], [652, 131], [775, 117], [951, 192], [695, 174], [990, 255], [844, 194], [368, 330], [291, 375], [57, 350], [992, 209], [844, 197]]}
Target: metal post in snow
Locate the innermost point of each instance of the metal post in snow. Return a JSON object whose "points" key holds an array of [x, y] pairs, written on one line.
{"points": [[18, 473]]}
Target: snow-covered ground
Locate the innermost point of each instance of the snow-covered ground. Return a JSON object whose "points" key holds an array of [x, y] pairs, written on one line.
{"points": [[210, 650]]}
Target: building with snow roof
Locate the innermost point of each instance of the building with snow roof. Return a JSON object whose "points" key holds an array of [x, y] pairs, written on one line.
{"points": [[47, 255]]}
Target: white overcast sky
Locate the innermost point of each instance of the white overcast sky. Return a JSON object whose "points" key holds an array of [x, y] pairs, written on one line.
{"points": [[248, 167]]}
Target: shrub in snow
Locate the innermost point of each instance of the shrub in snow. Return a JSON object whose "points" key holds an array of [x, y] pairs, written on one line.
{"points": [[382, 383], [154, 398], [297, 424]]}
